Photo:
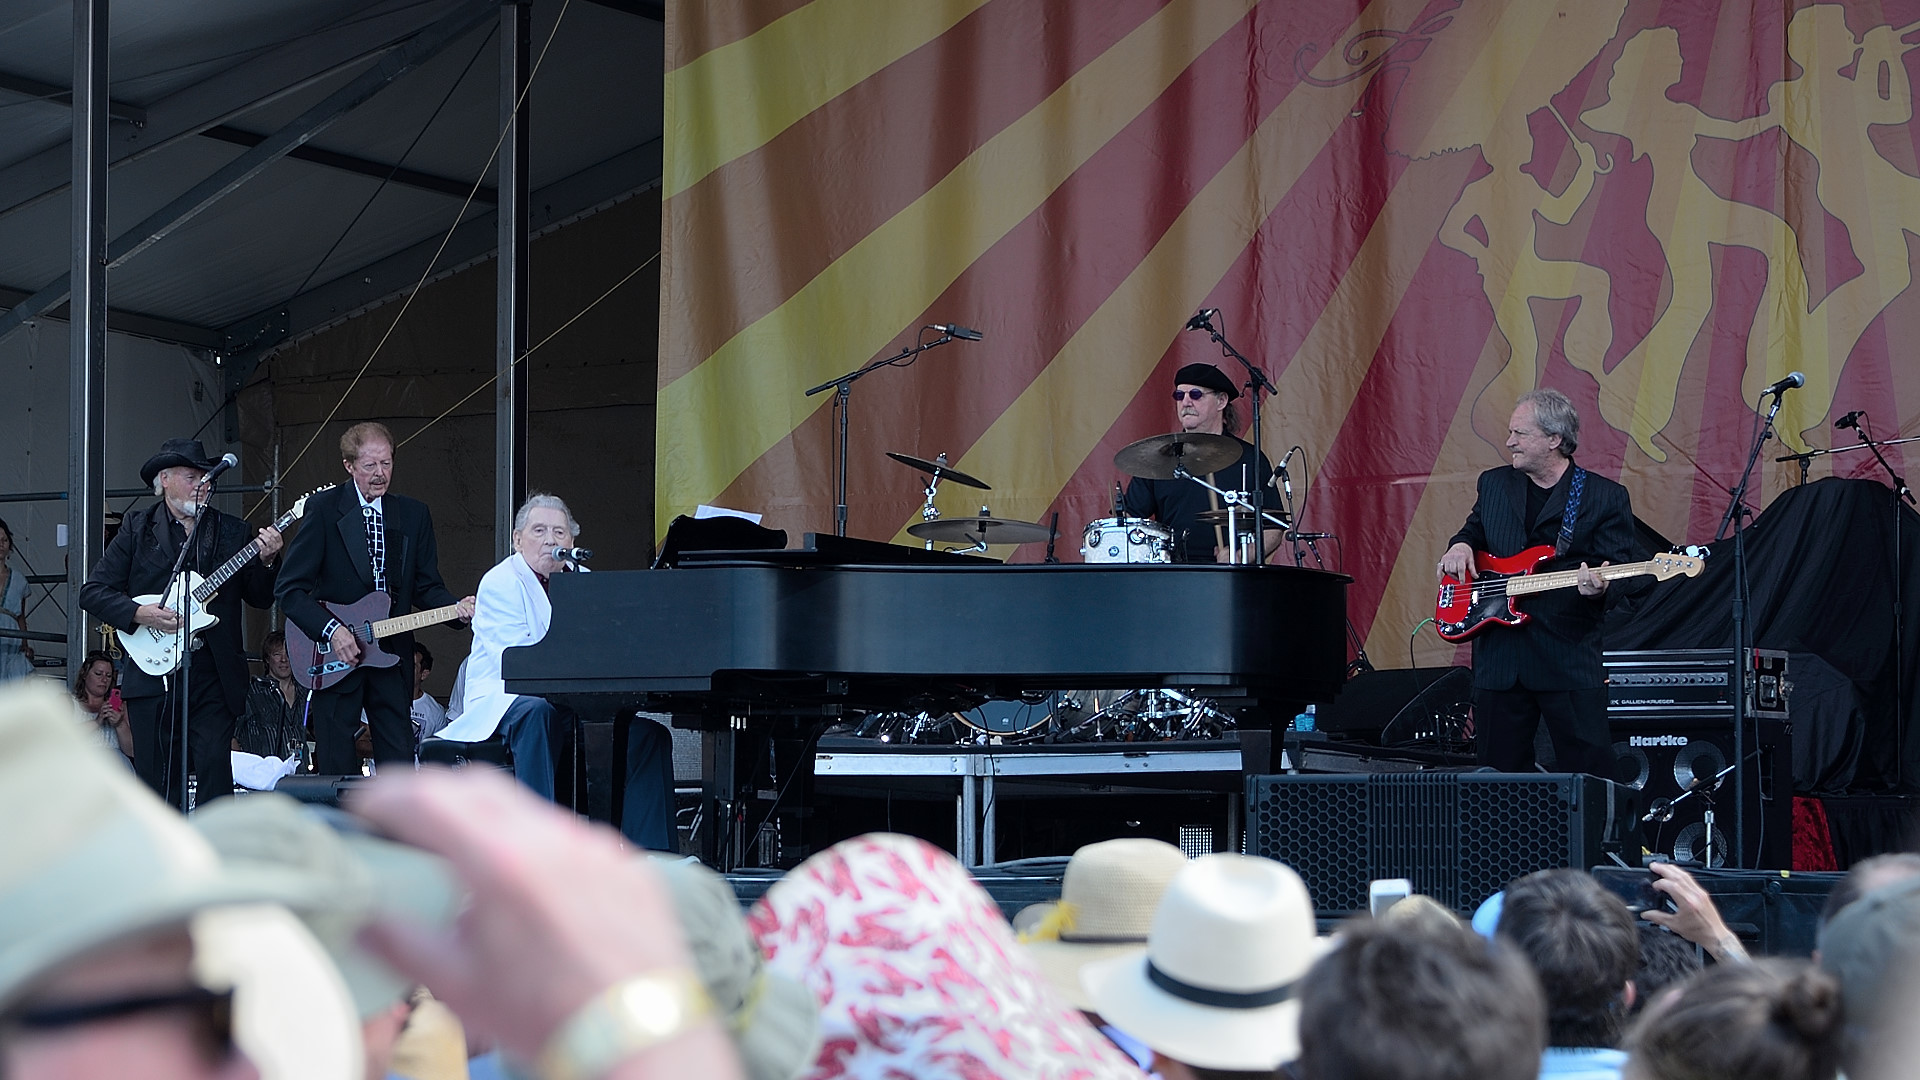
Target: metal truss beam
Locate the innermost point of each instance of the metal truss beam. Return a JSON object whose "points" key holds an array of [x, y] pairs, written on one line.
{"points": [[379, 170], [132, 322], [164, 221], [60, 95]]}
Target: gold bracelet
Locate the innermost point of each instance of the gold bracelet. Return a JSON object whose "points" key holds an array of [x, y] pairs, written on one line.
{"points": [[623, 1020]]}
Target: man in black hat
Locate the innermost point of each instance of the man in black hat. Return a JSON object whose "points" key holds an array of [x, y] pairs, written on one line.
{"points": [[1203, 399], [137, 563]]}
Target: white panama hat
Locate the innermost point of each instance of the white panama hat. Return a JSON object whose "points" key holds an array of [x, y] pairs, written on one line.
{"points": [[1216, 985], [1107, 900]]}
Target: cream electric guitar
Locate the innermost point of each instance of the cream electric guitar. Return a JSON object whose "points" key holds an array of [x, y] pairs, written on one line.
{"points": [[157, 652]]}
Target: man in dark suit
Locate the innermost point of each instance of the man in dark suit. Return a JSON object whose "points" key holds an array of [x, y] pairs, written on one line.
{"points": [[360, 538], [137, 563], [1551, 667]]}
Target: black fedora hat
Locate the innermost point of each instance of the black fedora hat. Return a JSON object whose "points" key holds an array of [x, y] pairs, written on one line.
{"points": [[173, 452]]}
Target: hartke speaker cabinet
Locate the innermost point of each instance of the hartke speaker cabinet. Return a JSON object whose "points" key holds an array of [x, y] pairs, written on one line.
{"points": [[1459, 837], [1658, 755]]}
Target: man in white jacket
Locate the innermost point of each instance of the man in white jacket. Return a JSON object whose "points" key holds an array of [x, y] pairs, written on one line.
{"points": [[511, 610]]}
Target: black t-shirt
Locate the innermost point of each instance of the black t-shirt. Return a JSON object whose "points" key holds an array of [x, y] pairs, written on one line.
{"points": [[1537, 501], [1177, 504]]}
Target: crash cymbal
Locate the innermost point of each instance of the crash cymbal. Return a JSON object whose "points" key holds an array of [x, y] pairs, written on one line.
{"points": [[1275, 519], [972, 529], [942, 469], [1154, 458]]}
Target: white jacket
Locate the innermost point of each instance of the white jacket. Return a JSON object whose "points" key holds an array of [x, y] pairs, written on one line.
{"points": [[510, 610]]}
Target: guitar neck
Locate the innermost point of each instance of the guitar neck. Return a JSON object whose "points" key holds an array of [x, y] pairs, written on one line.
{"points": [[225, 571], [401, 624], [1567, 579]]}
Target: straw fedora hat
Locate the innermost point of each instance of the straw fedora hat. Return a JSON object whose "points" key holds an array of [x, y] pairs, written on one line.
{"points": [[92, 857], [1215, 986], [1106, 905]]}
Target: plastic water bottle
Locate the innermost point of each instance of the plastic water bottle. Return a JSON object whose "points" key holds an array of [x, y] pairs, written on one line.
{"points": [[1304, 721]]}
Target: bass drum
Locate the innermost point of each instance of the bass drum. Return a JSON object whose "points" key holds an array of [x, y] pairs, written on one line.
{"points": [[1127, 540]]}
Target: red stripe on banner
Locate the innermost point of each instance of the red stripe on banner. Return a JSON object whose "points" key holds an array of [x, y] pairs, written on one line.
{"points": [[1727, 423], [790, 208], [1041, 283], [1751, 172], [697, 27]]}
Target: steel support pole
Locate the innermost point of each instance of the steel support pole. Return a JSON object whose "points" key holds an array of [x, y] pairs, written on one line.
{"points": [[87, 319], [510, 269]]}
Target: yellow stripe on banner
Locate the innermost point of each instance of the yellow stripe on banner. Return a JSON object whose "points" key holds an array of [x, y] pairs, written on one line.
{"points": [[1046, 435], [750, 90], [722, 415]]}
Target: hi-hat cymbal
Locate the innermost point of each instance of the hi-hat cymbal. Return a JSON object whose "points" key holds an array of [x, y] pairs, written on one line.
{"points": [[938, 468], [977, 529], [1155, 458], [1244, 518]]}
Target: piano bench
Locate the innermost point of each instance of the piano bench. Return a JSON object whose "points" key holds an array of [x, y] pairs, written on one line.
{"points": [[492, 751]]}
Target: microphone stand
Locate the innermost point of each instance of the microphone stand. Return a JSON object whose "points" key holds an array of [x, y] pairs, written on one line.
{"points": [[1743, 653], [1256, 381], [177, 589], [842, 399], [1900, 492]]}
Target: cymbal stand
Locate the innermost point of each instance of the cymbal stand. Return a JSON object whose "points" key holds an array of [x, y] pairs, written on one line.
{"points": [[930, 512], [1236, 503], [842, 400]]}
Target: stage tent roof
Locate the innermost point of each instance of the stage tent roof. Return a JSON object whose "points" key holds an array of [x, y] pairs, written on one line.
{"points": [[392, 108]]}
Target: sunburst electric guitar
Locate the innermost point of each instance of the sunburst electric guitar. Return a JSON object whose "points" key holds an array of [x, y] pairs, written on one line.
{"points": [[1465, 608], [157, 652]]}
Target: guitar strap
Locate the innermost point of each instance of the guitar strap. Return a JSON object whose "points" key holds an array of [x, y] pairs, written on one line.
{"points": [[1564, 541]]}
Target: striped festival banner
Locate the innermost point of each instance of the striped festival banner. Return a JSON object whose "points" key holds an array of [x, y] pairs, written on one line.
{"points": [[1409, 213]]}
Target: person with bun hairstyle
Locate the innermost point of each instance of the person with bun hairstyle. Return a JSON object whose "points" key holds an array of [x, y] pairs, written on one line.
{"points": [[1769, 1020]]}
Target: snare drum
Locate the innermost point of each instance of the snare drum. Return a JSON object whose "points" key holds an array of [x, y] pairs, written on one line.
{"points": [[1127, 540]]}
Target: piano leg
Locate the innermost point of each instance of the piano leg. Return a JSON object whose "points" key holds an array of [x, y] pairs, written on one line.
{"points": [[717, 845]]}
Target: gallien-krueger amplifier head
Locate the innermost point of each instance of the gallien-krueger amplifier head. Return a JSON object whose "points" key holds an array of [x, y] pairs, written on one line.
{"points": [[1694, 682]]}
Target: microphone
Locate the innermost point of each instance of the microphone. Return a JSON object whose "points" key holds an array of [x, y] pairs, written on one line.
{"points": [[226, 462], [964, 333], [1662, 810], [1851, 420], [572, 554], [1794, 379], [1204, 320], [1286, 479]]}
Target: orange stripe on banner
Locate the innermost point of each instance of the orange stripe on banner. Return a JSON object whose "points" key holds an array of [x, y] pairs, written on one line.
{"points": [[758, 237], [710, 430], [735, 98]]}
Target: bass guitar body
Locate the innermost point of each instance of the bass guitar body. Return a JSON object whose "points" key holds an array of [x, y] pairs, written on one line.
{"points": [[314, 665], [1465, 608], [157, 652]]}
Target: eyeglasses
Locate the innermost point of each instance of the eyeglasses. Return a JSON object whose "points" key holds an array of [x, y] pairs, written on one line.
{"points": [[1191, 395], [210, 1012]]}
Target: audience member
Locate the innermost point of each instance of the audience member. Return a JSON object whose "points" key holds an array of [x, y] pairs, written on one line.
{"points": [[772, 1019], [274, 723], [1666, 959], [917, 973], [1107, 899], [428, 715], [1419, 999], [1772, 1020], [16, 654], [1584, 949], [1694, 915], [1214, 990], [1872, 947], [568, 954], [104, 901], [1867, 875], [96, 689]]}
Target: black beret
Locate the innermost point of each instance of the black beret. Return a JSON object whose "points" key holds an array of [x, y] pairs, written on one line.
{"points": [[1208, 376]]}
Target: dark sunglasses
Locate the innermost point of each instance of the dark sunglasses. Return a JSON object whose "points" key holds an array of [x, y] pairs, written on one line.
{"points": [[211, 1012], [1191, 395]]}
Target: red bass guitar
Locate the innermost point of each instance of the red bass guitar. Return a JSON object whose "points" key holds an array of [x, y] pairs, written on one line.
{"points": [[1465, 608]]}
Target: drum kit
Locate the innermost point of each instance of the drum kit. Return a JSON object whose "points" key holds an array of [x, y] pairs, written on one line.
{"points": [[1117, 715]]}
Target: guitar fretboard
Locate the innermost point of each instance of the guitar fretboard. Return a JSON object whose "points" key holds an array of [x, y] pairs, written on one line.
{"points": [[1567, 579], [401, 624]]}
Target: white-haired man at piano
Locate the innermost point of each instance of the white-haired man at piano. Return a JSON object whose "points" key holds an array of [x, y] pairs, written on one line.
{"points": [[512, 610]]}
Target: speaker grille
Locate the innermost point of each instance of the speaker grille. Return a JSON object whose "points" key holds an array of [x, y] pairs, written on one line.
{"points": [[1319, 826]]}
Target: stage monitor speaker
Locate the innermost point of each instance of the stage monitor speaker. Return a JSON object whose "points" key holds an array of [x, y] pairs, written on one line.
{"points": [[1661, 755], [1459, 837], [1369, 701], [321, 789]]}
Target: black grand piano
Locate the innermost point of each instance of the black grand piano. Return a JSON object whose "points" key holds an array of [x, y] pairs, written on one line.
{"points": [[740, 639]]}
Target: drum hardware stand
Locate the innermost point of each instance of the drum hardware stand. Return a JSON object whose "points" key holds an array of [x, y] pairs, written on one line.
{"points": [[1236, 500], [929, 512], [842, 399], [1256, 381]]}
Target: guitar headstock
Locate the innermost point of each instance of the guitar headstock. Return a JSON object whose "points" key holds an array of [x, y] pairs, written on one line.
{"points": [[1674, 564], [299, 507]]}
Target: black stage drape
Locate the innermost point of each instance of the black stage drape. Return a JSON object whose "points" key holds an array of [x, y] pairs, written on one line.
{"points": [[1821, 574]]}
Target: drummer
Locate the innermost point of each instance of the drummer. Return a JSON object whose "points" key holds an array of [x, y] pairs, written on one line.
{"points": [[1203, 399]]}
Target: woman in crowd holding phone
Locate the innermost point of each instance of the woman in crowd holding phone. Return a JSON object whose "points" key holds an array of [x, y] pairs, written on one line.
{"points": [[94, 688], [16, 656]]}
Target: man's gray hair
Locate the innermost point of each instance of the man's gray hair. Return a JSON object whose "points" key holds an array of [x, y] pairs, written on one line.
{"points": [[543, 501], [1556, 416]]}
